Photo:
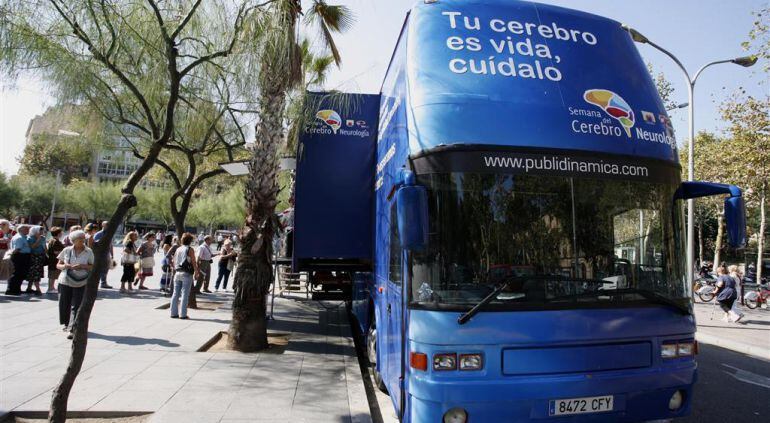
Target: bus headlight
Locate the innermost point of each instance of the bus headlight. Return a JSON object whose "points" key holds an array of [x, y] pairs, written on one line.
{"points": [[445, 361], [455, 415], [668, 350], [471, 362], [675, 403]]}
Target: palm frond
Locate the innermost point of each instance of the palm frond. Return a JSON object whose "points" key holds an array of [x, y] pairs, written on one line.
{"points": [[331, 19]]}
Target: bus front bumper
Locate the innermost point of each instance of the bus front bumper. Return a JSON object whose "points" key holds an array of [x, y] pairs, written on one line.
{"points": [[641, 395]]}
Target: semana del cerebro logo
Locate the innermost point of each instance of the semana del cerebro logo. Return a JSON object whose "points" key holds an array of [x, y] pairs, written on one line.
{"points": [[331, 118], [612, 104]]}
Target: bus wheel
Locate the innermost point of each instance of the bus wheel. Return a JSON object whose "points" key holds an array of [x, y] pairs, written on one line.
{"points": [[371, 354]]}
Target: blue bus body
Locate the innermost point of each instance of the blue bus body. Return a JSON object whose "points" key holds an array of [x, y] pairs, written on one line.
{"points": [[553, 206]]}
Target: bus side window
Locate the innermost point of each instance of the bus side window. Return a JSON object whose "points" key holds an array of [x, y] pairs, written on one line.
{"points": [[394, 274]]}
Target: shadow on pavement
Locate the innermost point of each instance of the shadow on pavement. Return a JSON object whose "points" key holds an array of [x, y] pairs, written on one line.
{"points": [[133, 340]]}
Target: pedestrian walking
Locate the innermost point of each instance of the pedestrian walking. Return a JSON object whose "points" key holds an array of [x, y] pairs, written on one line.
{"points": [[733, 271], [53, 249], [226, 264], [220, 240], [107, 256], [128, 259], [726, 294], [75, 262], [205, 258], [146, 253], [20, 257], [186, 268]]}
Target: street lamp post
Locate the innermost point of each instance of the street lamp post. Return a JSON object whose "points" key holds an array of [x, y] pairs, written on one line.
{"points": [[745, 61]]}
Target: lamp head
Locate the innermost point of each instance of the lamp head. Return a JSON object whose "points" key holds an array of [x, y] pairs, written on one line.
{"points": [[635, 35], [745, 61]]}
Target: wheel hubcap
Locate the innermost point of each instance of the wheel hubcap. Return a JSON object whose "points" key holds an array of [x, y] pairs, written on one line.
{"points": [[371, 349]]}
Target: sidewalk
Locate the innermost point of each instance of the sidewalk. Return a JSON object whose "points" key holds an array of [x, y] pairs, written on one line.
{"points": [[752, 338], [139, 359]]}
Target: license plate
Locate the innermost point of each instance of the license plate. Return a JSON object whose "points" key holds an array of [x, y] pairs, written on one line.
{"points": [[561, 407]]}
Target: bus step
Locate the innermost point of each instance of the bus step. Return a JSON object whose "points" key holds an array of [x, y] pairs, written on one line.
{"points": [[330, 296]]}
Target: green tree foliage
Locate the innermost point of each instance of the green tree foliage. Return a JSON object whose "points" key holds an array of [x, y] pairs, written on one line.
{"points": [[759, 37], [152, 204], [93, 201], [9, 196], [664, 87], [748, 155], [35, 194]]}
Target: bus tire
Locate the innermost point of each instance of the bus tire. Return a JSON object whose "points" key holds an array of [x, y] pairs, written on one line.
{"points": [[371, 355]]}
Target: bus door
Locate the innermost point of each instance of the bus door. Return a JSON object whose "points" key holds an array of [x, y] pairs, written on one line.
{"points": [[394, 310]]}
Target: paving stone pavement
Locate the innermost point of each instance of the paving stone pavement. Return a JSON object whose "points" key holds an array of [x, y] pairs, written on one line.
{"points": [[752, 337], [139, 359]]}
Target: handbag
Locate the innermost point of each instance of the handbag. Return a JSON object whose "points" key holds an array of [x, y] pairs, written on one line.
{"points": [[148, 262], [128, 258], [231, 263], [186, 266], [71, 273]]}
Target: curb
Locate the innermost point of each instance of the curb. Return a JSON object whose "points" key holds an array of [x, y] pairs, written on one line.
{"points": [[752, 350]]}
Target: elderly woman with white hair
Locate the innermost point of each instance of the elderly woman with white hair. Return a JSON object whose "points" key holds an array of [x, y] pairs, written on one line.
{"points": [[36, 241], [75, 262]]}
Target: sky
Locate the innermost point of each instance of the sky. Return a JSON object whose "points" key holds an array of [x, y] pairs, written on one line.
{"points": [[696, 31]]}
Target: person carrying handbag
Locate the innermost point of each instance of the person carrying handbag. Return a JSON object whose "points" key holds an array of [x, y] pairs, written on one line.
{"points": [[146, 253], [186, 267], [75, 262], [128, 260]]}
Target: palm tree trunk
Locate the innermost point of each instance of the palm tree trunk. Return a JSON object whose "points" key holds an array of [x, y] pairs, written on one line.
{"points": [[248, 328]]}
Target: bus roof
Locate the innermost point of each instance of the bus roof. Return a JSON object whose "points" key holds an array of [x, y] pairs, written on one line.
{"points": [[521, 74]]}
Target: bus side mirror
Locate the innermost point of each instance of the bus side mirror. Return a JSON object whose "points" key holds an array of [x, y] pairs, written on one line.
{"points": [[735, 215], [735, 208], [412, 215]]}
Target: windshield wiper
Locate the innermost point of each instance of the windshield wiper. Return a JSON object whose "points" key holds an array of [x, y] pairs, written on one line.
{"points": [[486, 300], [648, 295]]}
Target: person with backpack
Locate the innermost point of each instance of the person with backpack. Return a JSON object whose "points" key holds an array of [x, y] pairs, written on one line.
{"points": [[186, 268], [75, 262]]}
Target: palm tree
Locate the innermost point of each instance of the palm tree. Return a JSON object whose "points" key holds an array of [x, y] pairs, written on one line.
{"points": [[281, 70]]}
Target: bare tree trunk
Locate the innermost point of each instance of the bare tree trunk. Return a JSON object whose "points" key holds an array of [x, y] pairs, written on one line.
{"points": [[761, 235], [718, 241], [700, 242], [248, 328]]}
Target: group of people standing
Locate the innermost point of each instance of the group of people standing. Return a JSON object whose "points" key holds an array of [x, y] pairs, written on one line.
{"points": [[69, 261], [181, 265]]}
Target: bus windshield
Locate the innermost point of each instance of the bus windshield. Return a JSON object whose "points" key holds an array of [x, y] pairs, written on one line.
{"points": [[556, 242]]}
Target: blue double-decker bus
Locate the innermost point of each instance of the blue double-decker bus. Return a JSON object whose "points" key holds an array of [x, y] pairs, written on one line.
{"points": [[528, 257]]}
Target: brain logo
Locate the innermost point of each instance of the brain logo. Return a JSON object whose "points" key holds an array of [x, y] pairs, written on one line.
{"points": [[331, 118], [613, 105]]}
